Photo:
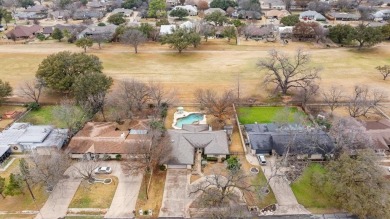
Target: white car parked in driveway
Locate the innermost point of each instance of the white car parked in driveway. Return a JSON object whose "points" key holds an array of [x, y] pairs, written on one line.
{"points": [[106, 170]]}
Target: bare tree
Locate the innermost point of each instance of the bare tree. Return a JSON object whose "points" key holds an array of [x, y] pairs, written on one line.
{"points": [[71, 115], [219, 106], [139, 93], [85, 169], [287, 4], [159, 94], [320, 7], [363, 101], [101, 38], [149, 151], [48, 169], [350, 136], [308, 92], [384, 70], [33, 89], [133, 37], [332, 97], [289, 72]]}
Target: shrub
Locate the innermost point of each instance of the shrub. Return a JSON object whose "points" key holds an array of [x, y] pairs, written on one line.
{"points": [[164, 113], [101, 24], [41, 37], [118, 157], [162, 167], [106, 157], [212, 159], [33, 106], [162, 22]]}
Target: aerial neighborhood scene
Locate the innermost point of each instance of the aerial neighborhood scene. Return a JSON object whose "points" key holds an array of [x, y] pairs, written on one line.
{"points": [[195, 109]]}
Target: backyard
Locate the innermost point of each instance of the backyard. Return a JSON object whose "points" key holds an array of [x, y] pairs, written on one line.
{"points": [[250, 115], [7, 108], [311, 197], [43, 116], [96, 195]]}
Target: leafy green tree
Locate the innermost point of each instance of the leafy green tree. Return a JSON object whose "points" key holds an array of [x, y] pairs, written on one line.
{"points": [[180, 39], [5, 89], [290, 20], [340, 33], [84, 43], [194, 38], [146, 29], [59, 71], [3, 14], [155, 6], [233, 163], [217, 17], [7, 17], [366, 35], [101, 24], [358, 186], [179, 12], [386, 31], [15, 185], [223, 4], [63, 3], [84, 2], [116, 19], [40, 37], [130, 4], [91, 90], [57, 34], [230, 33], [237, 23], [2, 186], [26, 3]]}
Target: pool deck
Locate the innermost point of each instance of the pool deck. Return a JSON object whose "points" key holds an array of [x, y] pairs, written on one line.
{"points": [[177, 116]]}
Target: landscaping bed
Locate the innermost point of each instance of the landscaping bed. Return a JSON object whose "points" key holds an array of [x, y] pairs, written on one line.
{"points": [[96, 195], [250, 115]]}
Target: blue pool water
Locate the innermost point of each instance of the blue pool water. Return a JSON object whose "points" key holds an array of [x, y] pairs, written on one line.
{"points": [[190, 119]]}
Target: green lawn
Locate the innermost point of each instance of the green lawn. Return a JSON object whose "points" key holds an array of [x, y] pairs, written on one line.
{"points": [[307, 194], [259, 180], [43, 116], [249, 115]]}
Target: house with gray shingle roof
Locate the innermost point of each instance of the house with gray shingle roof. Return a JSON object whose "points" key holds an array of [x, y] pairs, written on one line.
{"points": [[192, 139], [269, 138], [341, 16]]}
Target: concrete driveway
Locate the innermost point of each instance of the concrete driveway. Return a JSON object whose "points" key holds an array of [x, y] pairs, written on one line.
{"points": [[175, 200], [57, 204], [126, 194]]}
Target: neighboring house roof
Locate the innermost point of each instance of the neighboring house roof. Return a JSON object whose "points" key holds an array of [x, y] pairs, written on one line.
{"points": [[267, 137], [277, 13], [187, 25], [288, 29], [95, 4], [96, 30], [24, 31], [69, 28], [126, 12], [261, 32], [311, 15], [211, 10], [87, 14], [344, 16], [249, 14], [188, 139], [37, 9], [60, 14], [189, 8], [104, 138], [24, 15], [3, 150], [167, 29], [379, 131], [382, 13], [33, 136], [272, 3]]}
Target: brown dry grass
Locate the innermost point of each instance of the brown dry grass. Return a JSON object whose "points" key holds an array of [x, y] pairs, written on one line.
{"points": [[156, 192], [215, 65], [95, 195]]}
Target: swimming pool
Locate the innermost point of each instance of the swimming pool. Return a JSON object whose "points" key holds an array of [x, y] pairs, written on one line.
{"points": [[190, 119]]}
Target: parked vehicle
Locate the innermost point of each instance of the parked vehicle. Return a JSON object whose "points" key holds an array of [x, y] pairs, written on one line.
{"points": [[261, 159], [103, 170]]}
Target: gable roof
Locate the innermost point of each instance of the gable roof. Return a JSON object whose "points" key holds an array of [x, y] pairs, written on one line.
{"points": [[167, 29], [379, 131], [104, 138], [36, 8], [184, 144], [211, 10], [343, 15], [314, 14], [24, 31], [276, 13]]}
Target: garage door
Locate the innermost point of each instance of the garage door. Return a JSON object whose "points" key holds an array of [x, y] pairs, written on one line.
{"points": [[177, 166]]}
